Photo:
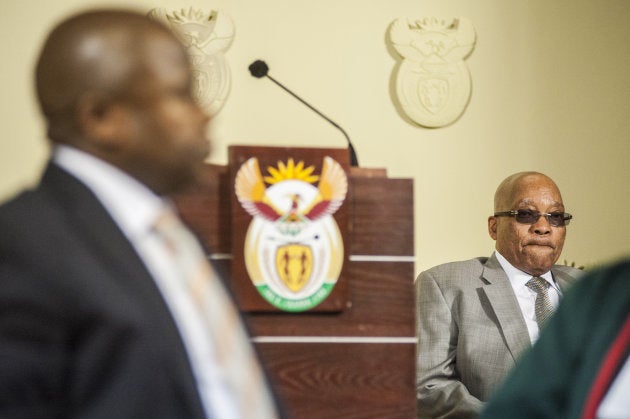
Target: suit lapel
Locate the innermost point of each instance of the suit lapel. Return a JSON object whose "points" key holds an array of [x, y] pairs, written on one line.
{"points": [[503, 303]]}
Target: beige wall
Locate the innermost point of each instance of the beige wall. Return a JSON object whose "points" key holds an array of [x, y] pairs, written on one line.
{"points": [[551, 92]]}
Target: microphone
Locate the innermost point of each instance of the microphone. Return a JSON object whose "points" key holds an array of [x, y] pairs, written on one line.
{"points": [[260, 69]]}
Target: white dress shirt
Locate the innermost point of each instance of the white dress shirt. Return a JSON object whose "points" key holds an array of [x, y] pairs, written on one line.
{"points": [[527, 297], [134, 207]]}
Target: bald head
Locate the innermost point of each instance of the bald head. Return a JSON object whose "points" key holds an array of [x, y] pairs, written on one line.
{"points": [[118, 85], [93, 53], [513, 185]]}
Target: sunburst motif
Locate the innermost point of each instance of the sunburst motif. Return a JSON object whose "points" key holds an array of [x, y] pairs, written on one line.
{"points": [[289, 201], [290, 171]]}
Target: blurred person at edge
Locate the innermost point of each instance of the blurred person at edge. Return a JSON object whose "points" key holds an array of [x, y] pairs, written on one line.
{"points": [[94, 319], [579, 368]]}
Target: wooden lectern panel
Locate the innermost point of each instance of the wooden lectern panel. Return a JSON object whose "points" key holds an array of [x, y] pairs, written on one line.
{"points": [[344, 380], [356, 363]]}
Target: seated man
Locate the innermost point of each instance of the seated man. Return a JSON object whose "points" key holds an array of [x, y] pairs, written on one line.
{"points": [[474, 318]]}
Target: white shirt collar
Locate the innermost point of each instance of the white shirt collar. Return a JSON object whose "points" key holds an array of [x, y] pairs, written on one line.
{"points": [[133, 205], [518, 277]]}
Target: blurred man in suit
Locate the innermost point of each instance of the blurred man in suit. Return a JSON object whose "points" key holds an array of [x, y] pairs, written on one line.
{"points": [[97, 317], [475, 317], [579, 368]]}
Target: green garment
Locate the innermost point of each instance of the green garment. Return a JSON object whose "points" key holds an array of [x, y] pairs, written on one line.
{"points": [[554, 377]]}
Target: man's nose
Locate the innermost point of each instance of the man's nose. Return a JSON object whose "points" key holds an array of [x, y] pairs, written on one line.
{"points": [[542, 225]]}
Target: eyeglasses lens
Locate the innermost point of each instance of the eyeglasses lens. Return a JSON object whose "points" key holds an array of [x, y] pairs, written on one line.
{"points": [[556, 219]]}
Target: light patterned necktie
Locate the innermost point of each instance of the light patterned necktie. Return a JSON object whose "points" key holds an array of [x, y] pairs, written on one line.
{"points": [[544, 309], [233, 350]]}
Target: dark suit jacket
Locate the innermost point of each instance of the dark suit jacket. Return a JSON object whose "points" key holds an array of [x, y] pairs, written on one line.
{"points": [[554, 378], [84, 330], [470, 333]]}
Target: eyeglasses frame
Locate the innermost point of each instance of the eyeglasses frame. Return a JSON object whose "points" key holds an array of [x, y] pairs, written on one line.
{"points": [[566, 216]]}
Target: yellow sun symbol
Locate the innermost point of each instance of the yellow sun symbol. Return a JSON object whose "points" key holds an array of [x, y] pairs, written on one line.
{"points": [[291, 171]]}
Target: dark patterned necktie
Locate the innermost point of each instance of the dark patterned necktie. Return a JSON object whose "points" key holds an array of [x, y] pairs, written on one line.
{"points": [[544, 309]]}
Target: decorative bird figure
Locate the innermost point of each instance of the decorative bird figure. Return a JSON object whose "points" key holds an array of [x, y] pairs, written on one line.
{"points": [[295, 199]]}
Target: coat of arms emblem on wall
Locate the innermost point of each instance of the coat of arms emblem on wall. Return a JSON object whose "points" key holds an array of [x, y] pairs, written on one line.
{"points": [[206, 35], [293, 248], [432, 82]]}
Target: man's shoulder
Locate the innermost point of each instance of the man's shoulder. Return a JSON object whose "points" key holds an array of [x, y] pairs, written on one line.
{"points": [[460, 265], [30, 213], [19, 206], [43, 203], [569, 271], [27, 202], [456, 271]]}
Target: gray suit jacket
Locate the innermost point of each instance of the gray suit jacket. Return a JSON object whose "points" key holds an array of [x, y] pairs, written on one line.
{"points": [[470, 333]]}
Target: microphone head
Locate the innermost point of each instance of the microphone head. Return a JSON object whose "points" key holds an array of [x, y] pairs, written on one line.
{"points": [[258, 69]]}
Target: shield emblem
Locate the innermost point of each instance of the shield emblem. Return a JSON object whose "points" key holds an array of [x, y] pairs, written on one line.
{"points": [[434, 94], [294, 263]]}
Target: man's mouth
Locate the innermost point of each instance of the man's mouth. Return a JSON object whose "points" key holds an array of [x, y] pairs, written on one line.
{"points": [[539, 243]]}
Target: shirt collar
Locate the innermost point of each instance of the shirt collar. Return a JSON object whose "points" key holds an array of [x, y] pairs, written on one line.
{"points": [[516, 276], [133, 205]]}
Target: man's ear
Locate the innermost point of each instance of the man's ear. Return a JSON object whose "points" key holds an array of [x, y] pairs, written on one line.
{"points": [[492, 227], [103, 122]]}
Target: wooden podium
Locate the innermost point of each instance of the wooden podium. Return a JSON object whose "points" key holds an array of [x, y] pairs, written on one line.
{"points": [[354, 361]]}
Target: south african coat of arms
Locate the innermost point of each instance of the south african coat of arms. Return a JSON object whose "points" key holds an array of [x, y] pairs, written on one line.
{"points": [[293, 247]]}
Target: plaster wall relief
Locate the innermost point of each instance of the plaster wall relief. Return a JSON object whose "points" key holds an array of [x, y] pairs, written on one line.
{"points": [[207, 36], [432, 81]]}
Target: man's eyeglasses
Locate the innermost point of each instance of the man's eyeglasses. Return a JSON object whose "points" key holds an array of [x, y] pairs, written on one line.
{"points": [[556, 219]]}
